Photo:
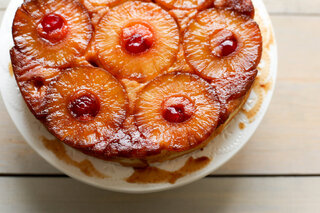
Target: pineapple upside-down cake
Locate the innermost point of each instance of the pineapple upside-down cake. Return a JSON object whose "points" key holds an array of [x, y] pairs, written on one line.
{"points": [[135, 81]]}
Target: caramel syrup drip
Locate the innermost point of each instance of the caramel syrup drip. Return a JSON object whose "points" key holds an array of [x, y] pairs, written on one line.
{"points": [[262, 84], [250, 114], [242, 125], [10, 69], [267, 86], [155, 175], [85, 166]]}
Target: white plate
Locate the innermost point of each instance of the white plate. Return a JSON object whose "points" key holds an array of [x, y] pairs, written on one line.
{"points": [[220, 150]]}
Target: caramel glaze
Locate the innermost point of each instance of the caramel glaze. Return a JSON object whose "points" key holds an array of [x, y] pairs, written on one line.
{"points": [[241, 6], [155, 175], [10, 69], [267, 86], [58, 149], [262, 83], [242, 125]]}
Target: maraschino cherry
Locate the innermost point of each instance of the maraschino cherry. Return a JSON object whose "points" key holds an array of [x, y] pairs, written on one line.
{"points": [[177, 109], [84, 106], [137, 38], [52, 27]]}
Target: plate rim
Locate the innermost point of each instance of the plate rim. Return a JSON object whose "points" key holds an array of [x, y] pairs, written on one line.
{"points": [[202, 173]]}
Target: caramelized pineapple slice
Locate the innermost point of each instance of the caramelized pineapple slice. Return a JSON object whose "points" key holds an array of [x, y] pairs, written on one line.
{"points": [[94, 6], [137, 41], [230, 88], [185, 4], [234, 85], [241, 6], [53, 32], [219, 41], [183, 17], [33, 80], [85, 106], [97, 8], [127, 142], [177, 110]]}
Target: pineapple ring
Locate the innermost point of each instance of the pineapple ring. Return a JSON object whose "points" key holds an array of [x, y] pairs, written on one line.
{"points": [[241, 6], [91, 4], [30, 40], [206, 28], [99, 6], [126, 143], [202, 115], [85, 132], [234, 85], [185, 4], [33, 80], [146, 65]]}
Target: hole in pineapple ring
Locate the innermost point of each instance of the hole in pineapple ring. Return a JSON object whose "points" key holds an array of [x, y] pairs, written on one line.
{"points": [[223, 43], [137, 38], [84, 105], [37, 81], [36, 84], [52, 28], [177, 109]]}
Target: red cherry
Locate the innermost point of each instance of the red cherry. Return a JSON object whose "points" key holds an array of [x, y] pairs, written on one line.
{"points": [[137, 38], [228, 46], [52, 28], [177, 109], [52, 22], [84, 106], [223, 43], [137, 44], [175, 114]]}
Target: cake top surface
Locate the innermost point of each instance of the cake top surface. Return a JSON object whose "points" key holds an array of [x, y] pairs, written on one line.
{"points": [[135, 79]]}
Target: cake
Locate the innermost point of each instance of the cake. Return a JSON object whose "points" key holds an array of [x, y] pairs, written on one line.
{"points": [[135, 82]]}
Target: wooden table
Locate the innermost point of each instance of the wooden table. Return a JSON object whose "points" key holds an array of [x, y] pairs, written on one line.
{"points": [[277, 171]]}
